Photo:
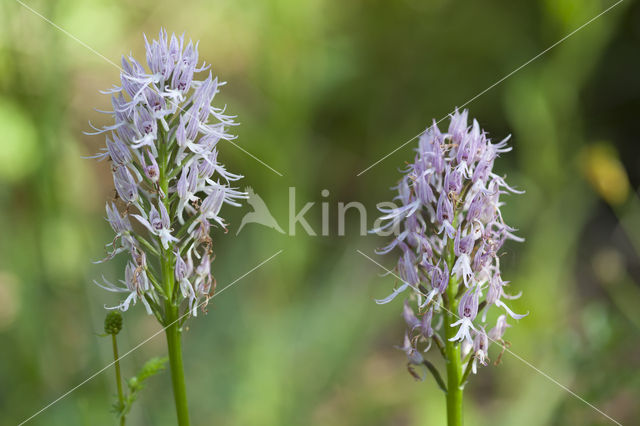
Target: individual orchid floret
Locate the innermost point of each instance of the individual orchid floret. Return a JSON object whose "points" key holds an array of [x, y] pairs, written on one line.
{"points": [[467, 312], [152, 170], [123, 230], [496, 333], [119, 223], [462, 248], [480, 350], [135, 283], [159, 225], [425, 324], [126, 186], [444, 215], [413, 355], [410, 317], [118, 151], [186, 188], [203, 283], [183, 272], [496, 292]]}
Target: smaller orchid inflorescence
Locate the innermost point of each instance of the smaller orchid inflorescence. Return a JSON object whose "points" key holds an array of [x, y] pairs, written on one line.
{"points": [[449, 234], [164, 160]]}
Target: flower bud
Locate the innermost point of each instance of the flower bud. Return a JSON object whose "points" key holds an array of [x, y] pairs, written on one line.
{"points": [[113, 322]]}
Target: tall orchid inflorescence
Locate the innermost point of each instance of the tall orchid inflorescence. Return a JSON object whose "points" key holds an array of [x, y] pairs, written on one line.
{"points": [[164, 159], [449, 234]]}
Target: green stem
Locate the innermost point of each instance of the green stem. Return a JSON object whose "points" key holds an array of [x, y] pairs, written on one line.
{"points": [[452, 351], [172, 331], [118, 376], [454, 372], [172, 320], [175, 362]]}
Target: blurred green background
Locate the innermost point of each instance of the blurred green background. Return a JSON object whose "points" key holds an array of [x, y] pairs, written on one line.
{"points": [[323, 89]]}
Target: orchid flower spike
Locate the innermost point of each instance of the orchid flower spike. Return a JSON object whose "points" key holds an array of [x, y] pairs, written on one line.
{"points": [[163, 149], [448, 234]]}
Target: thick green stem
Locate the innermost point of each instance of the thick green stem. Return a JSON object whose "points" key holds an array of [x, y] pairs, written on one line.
{"points": [[175, 361], [452, 350], [454, 371], [172, 311], [116, 358], [172, 331]]}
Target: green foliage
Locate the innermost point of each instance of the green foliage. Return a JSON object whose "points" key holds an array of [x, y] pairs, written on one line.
{"points": [[136, 383]]}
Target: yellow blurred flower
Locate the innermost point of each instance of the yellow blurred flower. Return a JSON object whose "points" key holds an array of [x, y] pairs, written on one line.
{"points": [[605, 172]]}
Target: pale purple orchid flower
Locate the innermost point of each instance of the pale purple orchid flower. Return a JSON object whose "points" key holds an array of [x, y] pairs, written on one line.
{"points": [[462, 248], [122, 227], [135, 283], [151, 171], [158, 224], [496, 292], [496, 333], [125, 184], [163, 148], [410, 317], [183, 271], [450, 230], [186, 188], [480, 350], [413, 355], [202, 283], [467, 312]]}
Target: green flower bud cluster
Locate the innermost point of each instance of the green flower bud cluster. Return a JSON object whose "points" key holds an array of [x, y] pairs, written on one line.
{"points": [[113, 322]]}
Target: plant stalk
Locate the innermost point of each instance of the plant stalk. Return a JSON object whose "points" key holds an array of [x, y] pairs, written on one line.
{"points": [[454, 371], [116, 359], [452, 350], [174, 345], [172, 311], [175, 362]]}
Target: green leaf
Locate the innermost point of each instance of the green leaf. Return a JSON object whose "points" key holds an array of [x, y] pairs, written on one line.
{"points": [[136, 383], [152, 367]]}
